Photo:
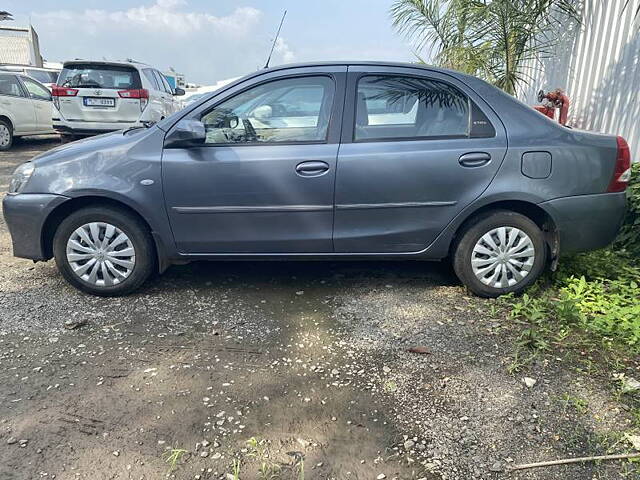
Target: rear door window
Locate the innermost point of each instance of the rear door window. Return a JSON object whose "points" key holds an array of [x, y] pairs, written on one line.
{"points": [[397, 107], [100, 76], [9, 85], [148, 72]]}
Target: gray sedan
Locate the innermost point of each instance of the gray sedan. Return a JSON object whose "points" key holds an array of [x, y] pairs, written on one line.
{"points": [[328, 160]]}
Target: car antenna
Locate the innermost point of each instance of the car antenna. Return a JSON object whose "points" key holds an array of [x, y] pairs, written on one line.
{"points": [[266, 65]]}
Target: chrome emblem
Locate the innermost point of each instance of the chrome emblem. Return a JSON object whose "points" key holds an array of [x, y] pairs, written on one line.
{"points": [[97, 92]]}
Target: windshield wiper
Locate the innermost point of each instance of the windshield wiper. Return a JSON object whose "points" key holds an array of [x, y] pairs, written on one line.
{"points": [[135, 127], [145, 124], [83, 85]]}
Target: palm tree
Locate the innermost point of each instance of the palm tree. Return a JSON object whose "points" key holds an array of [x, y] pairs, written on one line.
{"points": [[492, 39]]}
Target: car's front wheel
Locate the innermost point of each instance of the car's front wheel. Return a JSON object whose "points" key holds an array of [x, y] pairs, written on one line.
{"points": [[501, 252], [104, 251], [6, 135]]}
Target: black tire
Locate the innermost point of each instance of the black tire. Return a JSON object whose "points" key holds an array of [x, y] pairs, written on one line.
{"points": [[130, 225], [6, 125], [472, 233]]}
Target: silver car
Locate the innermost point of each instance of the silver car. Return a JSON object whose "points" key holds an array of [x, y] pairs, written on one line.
{"points": [[328, 160]]}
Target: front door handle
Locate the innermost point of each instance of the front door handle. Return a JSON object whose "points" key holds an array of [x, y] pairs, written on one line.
{"points": [[312, 169], [474, 159]]}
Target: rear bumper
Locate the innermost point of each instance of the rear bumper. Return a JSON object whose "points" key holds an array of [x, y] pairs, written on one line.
{"points": [[587, 222], [25, 214]]}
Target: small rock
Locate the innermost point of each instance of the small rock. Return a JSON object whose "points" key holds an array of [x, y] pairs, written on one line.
{"points": [[408, 445], [386, 369], [496, 467], [216, 456], [116, 453], [529, 382], [73, 324], [420, 349], [630, 384], [382, 476], [204, 453], [11, 441]]}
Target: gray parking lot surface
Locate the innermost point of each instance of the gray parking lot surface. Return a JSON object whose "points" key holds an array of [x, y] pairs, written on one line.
{"points": [[344, 370]]}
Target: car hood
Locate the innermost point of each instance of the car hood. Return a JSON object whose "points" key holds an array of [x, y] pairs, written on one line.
{"points": [[112, 141]]}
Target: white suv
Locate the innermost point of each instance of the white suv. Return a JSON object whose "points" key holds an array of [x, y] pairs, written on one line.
{"points": [[97, 97]]}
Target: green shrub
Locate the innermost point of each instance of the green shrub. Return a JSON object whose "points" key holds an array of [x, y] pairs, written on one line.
{"points": [[629, 238], [596, 292]]}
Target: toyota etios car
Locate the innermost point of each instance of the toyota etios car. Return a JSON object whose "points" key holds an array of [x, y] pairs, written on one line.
{"points": [[334, 160]]}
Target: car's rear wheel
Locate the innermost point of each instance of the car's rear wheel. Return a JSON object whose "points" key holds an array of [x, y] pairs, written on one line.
{"points": [[104, 251], [500, 252], [6, 135]]}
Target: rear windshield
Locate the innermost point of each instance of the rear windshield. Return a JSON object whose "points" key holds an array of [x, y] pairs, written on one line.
{"points": [[42, 76], [99, 76]]}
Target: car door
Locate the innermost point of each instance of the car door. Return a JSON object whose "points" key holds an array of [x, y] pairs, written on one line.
{"points": [[41, 100], [417, 148], [166, 94], [156, 90], [264, 180], [18, 107]]}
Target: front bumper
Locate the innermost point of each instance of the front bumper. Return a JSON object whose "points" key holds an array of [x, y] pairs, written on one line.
{"points": [[25, 214], [587, 222]]}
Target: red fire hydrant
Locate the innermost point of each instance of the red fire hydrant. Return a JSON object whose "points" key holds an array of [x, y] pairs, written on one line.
{"points": [[551, 101]]}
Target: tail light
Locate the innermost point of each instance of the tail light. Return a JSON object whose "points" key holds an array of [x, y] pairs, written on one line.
{"points": [[622, 170], [58, 91], [141, 93]]}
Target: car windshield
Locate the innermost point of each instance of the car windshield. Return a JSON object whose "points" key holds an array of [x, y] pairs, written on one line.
{"points": [[100, 76], [43, 76]]}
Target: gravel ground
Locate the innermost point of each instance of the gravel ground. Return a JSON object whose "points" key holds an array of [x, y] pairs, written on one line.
{"points": [[309, 358]]}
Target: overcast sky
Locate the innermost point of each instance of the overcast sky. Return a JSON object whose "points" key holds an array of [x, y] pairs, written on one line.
{"points": [[211, 40]]}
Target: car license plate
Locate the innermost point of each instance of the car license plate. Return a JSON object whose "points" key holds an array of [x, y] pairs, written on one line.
{"points": [[99, 102]]}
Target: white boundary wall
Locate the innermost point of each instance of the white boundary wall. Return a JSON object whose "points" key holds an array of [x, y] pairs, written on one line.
{"points": [[598, 64]]}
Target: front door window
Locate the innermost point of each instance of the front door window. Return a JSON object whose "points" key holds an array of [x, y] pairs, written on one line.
{"points": [[281, 111]]}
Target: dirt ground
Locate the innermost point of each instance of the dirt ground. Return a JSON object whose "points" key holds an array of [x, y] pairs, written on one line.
{"points": [[308, 358]]}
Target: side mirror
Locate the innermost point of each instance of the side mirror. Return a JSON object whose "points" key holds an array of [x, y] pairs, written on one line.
{"points": [[186, 133], [178, 91]]}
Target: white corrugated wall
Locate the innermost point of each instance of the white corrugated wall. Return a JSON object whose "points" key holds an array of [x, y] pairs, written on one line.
{"points": [[598, 64]]}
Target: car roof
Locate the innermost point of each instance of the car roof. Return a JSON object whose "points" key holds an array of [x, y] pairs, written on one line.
{"points": [[21, 75], [372, 63], [11, 67], [115, 63]]}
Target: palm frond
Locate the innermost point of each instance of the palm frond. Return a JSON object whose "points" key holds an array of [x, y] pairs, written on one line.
{"points": [[493, 39]]}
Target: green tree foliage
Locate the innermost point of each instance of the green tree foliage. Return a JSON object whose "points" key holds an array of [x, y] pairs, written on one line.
{"points": [[492, 39]]}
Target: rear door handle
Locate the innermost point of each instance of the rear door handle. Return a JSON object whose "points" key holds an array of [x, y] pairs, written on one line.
{"points": [[312, 169], [474, 159]]}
